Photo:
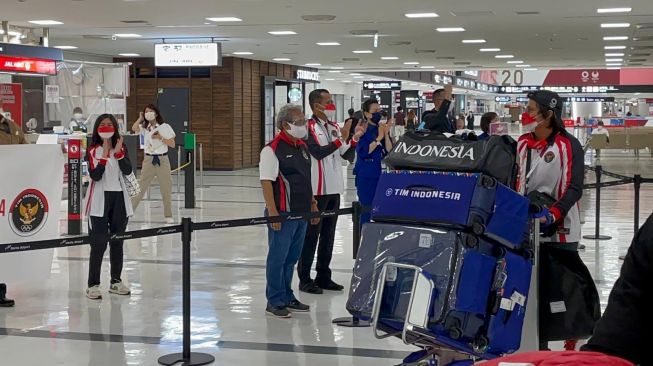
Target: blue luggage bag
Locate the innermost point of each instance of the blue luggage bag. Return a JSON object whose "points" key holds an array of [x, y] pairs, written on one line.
{"points": [[469, 274], [460, 200]]}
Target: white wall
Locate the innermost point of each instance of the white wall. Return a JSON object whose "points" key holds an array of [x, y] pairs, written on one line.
{"points": [[349, 90]]}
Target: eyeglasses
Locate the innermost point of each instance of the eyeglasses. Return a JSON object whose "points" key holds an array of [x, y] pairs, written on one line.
{"points": [[299, 122]]}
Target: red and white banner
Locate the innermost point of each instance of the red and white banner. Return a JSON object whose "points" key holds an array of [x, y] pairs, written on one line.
{"points": [[28, 65], [575, 77], [11, 101]]}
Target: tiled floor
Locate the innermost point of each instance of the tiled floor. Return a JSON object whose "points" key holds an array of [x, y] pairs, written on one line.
{"points": [[54, 324]]}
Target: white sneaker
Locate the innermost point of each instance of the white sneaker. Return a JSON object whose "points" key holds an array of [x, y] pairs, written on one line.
{"points": [[170, 220], [94, 293], [119, 288]]}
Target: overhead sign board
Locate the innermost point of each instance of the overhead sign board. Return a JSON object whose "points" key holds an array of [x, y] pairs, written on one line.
{"points": [[382, 85], [586, 99], [187, 54], [309, 75], [503, 99], [28, 65]]}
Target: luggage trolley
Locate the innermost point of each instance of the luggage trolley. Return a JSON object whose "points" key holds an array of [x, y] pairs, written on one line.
{"points": [[415, 331]]}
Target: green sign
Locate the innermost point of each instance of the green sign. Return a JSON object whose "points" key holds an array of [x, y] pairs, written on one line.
{"points": [[189, 141]]}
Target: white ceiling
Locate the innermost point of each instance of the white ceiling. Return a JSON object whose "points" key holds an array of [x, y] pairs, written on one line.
{"points": [[565, 33]]}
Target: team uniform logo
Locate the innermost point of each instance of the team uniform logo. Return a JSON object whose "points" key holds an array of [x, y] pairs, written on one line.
{"points": [[28, 213], [549, 156]]}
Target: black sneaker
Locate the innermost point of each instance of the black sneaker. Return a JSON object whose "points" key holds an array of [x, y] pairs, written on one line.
{"points": [[278, 311], [330, 285], [297, 307], [6, 303], [310, 288]]}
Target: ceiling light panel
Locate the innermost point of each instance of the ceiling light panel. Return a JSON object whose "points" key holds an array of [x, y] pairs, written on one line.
{"points": [[614, 47], [282, 33], [363, 51], [45, 22], [411, 63], [328, 43], [421, 15], [615, 38], [389, 58], [613, 10], [615, 25], [314, 64], [66, 47], [515, 62], [614, 60], [243, 53], [473, 41], [450, 29], [616, 54], [224, 19], [490, 50], [281, 59], [504, 56], [127, 35], [129, 54]]}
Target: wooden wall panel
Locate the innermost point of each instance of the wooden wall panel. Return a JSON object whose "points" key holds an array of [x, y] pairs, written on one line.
{"points": [[238, 113], [247, 114], [223, 114], [201, 123], [256, 112], [173, 83]]}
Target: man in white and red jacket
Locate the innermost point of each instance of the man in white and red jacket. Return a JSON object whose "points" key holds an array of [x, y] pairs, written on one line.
{"points": [[326, 144]]}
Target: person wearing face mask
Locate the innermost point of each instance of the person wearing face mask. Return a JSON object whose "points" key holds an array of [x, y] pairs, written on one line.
{"points": [[601, 130], [108, 205], [159, 137], [285, 172], [437, 119], [551, 163], [373, 146], [327, 144], [486, 120], [78, 122]]}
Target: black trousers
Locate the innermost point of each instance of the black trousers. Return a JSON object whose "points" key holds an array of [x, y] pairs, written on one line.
{"points": [[325, 233], [114, 221]]}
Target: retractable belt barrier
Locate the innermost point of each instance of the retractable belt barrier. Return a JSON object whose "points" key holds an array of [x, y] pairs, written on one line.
{"points": [[186, 229]]}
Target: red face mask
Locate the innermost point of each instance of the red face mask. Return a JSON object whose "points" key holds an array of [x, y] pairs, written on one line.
{"points": [[106, 132]]}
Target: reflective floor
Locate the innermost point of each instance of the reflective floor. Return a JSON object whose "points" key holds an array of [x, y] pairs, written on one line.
{"points": [[54, 324]]}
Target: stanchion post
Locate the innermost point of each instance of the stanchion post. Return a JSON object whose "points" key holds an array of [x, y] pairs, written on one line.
{"points": [[201, 167], [187, 358], [356, 219], [354, 322], [189, 182], [597, 213], [638, 186], [178, 170]]}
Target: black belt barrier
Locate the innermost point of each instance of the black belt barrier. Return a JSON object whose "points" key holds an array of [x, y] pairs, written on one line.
{"points": [[186, 357]]}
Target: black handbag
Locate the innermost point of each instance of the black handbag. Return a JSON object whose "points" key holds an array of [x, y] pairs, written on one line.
{"points": [[495, 157], [569, 304]]}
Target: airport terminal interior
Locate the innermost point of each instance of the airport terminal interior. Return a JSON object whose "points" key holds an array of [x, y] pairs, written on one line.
{"points": [[220, 74]]}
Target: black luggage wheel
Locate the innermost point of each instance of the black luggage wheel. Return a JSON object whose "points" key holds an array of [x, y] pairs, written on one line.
{"points": [[478, 228], [481, 344], [455, 333], [529, 254], [471, 241], [488, 182]]}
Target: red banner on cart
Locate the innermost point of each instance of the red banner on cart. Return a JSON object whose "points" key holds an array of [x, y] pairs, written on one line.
{"points": [[11, 101]]}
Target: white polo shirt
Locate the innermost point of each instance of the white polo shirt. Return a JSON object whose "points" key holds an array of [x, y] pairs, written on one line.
{"points": [[155, 146]]}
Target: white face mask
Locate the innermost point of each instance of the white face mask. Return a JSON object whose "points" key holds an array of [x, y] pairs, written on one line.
{"points": [[78, 116], [150, 116], [298, 132], [331, 115]]}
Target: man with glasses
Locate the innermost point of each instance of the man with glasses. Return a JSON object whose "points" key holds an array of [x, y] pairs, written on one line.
{"points": [[326, 142], [285, 172], [437, 119]]}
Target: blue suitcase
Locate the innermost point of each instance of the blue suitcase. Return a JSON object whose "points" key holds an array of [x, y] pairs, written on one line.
{"points": [[470, 276], [459, 200]]}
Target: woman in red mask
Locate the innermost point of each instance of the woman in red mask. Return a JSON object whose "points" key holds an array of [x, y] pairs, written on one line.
{"points": [[108, 204], [552, 174]]}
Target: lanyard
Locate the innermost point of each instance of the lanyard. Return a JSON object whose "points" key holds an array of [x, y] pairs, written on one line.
{"points": [[530, 169]]}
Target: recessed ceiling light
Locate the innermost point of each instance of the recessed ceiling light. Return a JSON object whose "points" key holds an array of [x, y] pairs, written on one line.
{"points": [[613, 68], [334, 72], [450, 29], [282, 33], [328, 44], [363, 51], [329, 79], [614, 10], [45, 22], [411, 63], [515, 62], [313, 64], [615, 38], [225, 19], [390, 58], [346, 81], [281, 59], [614, 47], [355, 74], [129, 54], [490, 49], [614, 54], [523, 65], [615, 25], [243, 53], [504, 56], [530, 69], [614, 60], [427, 67], [66, 47], [472, 41], [421, 15], [614, 64], [127, 35], [337, 68], [359, 77]]}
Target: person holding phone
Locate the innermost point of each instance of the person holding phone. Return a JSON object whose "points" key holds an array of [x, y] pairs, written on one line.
{"points": [[159, 138], [108, 205]]}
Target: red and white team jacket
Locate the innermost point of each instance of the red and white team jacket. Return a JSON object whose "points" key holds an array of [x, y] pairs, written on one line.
{"points": [[557, 168], [326, 149]]}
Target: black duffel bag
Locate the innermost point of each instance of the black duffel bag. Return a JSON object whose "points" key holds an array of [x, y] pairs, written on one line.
{"points": [[432, 151], [569, 304]]}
